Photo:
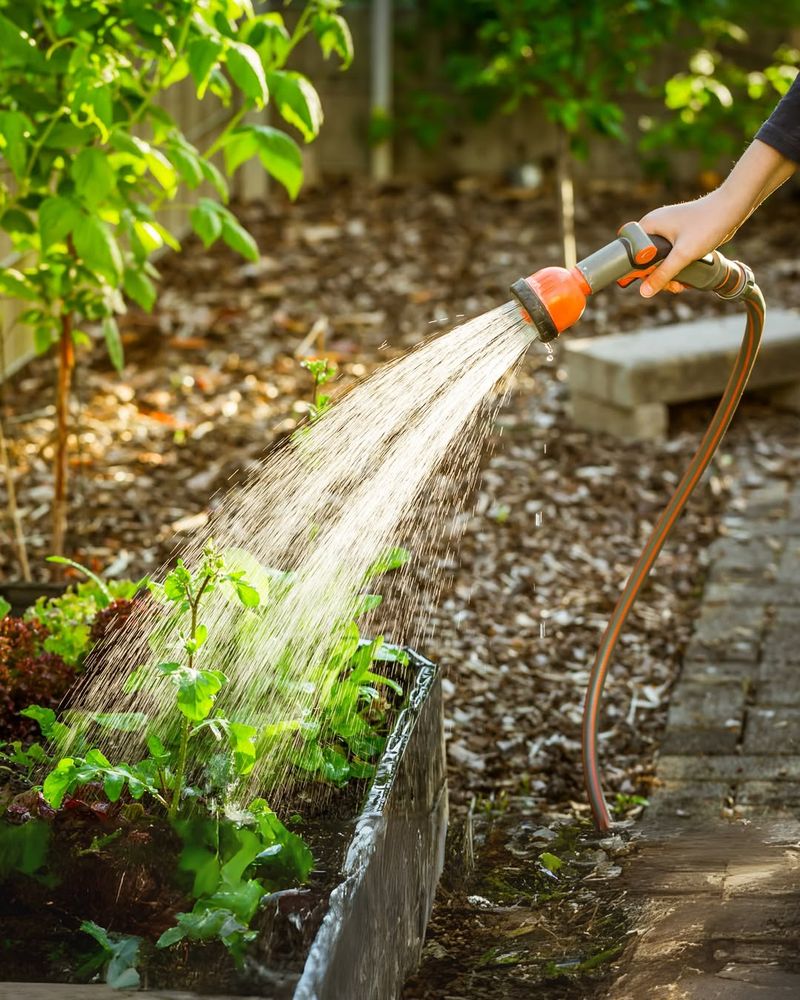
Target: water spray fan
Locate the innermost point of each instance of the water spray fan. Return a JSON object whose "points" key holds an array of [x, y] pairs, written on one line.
{"points": [[552, 300]]}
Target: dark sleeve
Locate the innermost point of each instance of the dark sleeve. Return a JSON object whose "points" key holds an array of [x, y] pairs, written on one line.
{"points": [[782, 129]]}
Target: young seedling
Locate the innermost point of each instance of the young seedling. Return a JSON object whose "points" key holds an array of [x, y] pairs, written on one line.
{"points": [[197, 688], [322, 371]]}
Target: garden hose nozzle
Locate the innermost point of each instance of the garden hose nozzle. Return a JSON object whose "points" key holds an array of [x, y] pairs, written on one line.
{"points": [[552, 300]]}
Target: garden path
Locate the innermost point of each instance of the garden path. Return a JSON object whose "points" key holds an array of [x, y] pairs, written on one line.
{"points": [[718, 875]]}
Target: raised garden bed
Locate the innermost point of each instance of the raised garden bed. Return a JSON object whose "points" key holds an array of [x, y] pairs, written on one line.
{"points": [[356, 929]]}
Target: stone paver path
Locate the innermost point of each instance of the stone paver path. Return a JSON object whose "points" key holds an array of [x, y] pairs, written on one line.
{"points": [[718, 875]]}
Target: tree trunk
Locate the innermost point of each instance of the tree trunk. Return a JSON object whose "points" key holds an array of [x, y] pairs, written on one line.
{"points": [[66, 363], [566, 198]]}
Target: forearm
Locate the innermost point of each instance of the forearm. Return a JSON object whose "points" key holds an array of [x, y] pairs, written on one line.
{"points": [[760, 171]]}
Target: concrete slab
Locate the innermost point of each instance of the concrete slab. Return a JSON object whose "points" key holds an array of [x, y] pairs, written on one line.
{"points": [[683, 361]]}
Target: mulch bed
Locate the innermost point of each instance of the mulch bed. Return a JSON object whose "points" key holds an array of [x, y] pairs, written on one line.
{"points": [[212, 381]]}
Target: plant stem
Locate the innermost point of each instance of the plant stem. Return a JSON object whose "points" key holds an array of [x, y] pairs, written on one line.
{"points": [[217, 144], [176, 791], [66, 364], [194, 605]]}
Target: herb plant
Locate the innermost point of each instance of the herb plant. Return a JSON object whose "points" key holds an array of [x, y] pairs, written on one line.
{"points": [[89, 155]]}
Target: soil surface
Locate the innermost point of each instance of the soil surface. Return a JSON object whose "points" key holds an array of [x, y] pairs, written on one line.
{"points": [[212, 380]]}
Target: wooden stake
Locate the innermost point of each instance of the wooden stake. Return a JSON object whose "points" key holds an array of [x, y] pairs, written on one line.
{"points": [[566, 198], [13, 509], [66, 364]]}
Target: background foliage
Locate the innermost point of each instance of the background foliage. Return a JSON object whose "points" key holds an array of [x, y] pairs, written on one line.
{"points": [[580, 61]]}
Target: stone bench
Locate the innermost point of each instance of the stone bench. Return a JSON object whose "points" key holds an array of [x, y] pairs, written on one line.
{"points": [[623, 383]]}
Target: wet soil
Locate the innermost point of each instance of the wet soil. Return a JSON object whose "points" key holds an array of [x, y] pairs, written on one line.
{"points": [[524, 910], [119, 868]]}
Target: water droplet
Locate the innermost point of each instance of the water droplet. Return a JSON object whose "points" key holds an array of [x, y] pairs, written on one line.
{"points": [[542, 630], [539, 518]]}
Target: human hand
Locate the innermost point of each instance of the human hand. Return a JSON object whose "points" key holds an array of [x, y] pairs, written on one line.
{"points": [[694, 229]]}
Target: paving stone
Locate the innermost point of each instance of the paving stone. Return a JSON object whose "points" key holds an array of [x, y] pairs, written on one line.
{"points": [[782, 642], [687, 808], [775, 984], [714, 672], [742, 528], [717, 705], [772, 731], [779, 690], [789, 568], [732, 768], [769, 500], [747, 592], [741, 920], [727, 632], [763, 953], [700, 741], [759, 793], [742, 559]]}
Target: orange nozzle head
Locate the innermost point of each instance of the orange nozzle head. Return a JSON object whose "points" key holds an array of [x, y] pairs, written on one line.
{"points": [[553, 299]]}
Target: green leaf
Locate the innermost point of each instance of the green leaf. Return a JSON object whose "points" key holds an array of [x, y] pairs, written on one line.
{"points": [[244, 64], [57, 218], [161, 169], [98, 248], [105, 598], [242, 740], [203, 55], [238, 239], [139, 287], [121, 722], [157, 749], [16, 221], [200, 925], [100, 934], [297, 101], [279, 154], [197, 691], [240, 146], [5, 607], [60, 781], [550, 862], [390, 559], [247, 594], [206, 221], [14, 284], [187, 162], [18, 50], [43, 339], [333, 35], [215, 179], [45, 717], [113, 343], [93, 175], [123, 954], [13, 126], [113, 783]]}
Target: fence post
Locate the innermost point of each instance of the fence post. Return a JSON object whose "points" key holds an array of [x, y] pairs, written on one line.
{"points": [[381, 83]]}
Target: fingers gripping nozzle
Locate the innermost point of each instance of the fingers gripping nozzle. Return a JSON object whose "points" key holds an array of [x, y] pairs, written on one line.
{"points": [[554, 298]]}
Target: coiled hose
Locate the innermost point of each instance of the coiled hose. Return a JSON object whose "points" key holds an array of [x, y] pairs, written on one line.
{"points": [[755, 308]]}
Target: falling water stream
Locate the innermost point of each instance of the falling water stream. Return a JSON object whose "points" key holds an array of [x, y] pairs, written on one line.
{"points": [[365, 477]]}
